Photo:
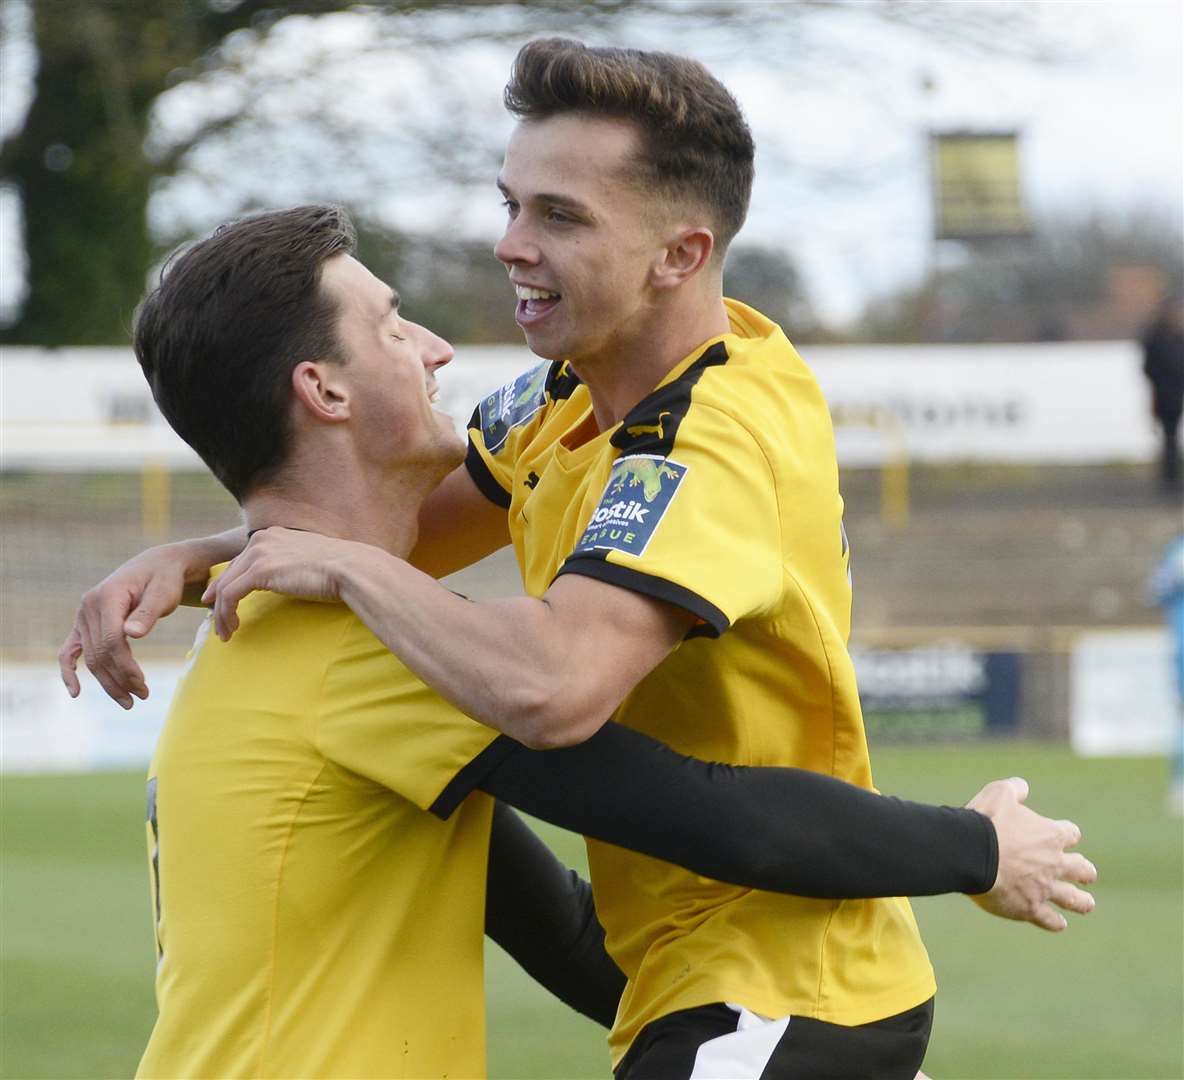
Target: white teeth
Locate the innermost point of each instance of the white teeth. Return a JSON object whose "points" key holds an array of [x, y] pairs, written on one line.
{"points": [[525, 293]]}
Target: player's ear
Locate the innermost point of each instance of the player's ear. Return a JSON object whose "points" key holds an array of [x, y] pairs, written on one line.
{"points": [[688, 250], [321, 391]]}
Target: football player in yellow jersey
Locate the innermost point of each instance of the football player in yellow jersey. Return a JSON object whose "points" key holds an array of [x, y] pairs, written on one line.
{"points": [[672, 498], [319, 821]]}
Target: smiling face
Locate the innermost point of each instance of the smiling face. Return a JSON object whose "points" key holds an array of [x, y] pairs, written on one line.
{"points": [[581, 236], [390, 372]]}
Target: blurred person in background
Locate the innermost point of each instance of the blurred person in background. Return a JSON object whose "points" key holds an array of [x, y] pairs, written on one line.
{"points": [[1166, 588], [1163, 364]]}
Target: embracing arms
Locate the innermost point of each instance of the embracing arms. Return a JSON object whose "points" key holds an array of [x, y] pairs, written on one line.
{"points": [[794, 831], [458, 526], [1033, 866]]}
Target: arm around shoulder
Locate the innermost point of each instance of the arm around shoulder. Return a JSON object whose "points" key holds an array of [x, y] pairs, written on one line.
{"points": [[547, 671]]}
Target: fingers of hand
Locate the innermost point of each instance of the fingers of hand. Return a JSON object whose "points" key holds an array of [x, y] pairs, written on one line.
{"points": [[220, 593], [160, 598], [1070, 833], [1079, 869], [112, 687], [998, 794], [219, 603], [108, 655], [1019, 785], [235, 567], [1072, 898], [1049, 919], [229, 589], [987, 800], [113, 655], [68, 656]]}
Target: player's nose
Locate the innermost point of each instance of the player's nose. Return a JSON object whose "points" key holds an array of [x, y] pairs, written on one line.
{"points": [[516, 246], [435, 352]]}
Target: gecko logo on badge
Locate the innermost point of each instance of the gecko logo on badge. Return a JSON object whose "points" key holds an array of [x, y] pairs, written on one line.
{"points": [[511, 405], [639, 491]]}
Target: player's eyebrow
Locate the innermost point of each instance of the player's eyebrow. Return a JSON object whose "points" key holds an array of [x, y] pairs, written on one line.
{"points": [[548, 198], [395, 300]]}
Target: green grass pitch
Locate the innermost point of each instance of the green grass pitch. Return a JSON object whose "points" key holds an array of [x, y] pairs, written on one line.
{"points": [[1103, 1000]]}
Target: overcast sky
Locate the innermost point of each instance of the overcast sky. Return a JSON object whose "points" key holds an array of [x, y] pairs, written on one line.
{"points": [[842, 162]]}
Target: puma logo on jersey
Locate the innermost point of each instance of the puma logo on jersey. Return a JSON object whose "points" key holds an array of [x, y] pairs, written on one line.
{"points": [[649, 429]]}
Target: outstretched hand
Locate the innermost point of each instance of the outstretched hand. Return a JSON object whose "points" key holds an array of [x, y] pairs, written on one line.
{"points": [[1036, 870], [288, 561]]}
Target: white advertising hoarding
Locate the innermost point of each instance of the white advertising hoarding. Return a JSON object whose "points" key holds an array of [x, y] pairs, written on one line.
{"points": [[1123, 700], [45, 731], [1067, 403]]}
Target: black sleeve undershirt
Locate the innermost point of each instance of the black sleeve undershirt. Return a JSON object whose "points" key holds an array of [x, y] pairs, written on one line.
{"points": [[780, 829], [542, 914], [483, 478]]}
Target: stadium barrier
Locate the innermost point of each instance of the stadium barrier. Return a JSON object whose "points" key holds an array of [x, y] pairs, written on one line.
{"points": [[1064, 403], [894, 459], [91, 474], [1073, 403], [1075, 684]]}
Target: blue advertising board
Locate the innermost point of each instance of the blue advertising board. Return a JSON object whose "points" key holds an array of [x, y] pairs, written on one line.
{"points": [[939, 692]]}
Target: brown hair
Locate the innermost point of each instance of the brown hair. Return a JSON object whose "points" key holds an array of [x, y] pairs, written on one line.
{"points": [[233, 314], [695, 143]]}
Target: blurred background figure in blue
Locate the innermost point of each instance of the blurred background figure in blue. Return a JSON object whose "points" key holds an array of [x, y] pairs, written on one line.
{"points": [[1167, 590], [1163, 364]]}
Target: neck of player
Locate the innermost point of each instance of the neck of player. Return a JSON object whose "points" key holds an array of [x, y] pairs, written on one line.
{"points": [[381, 509], [628, 369]]}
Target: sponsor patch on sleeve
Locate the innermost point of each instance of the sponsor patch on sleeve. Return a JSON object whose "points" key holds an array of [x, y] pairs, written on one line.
{"points": [[512, 405], [639, 491]]}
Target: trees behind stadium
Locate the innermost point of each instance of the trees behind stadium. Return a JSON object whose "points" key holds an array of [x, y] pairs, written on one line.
{"points": [[140, 107]]}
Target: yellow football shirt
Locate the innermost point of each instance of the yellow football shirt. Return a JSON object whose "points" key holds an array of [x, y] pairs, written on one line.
{"points": [[313, 917], [717, 493]]}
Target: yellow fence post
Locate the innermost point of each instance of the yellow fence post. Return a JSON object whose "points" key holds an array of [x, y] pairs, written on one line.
{"points": [[155, 500], [894, 468], [894, 473]]}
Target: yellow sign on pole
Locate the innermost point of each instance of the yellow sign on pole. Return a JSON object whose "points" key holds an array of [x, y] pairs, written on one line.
{"points": [[976, 185]]}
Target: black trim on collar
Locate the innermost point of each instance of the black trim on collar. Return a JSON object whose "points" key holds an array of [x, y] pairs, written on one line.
{"points": [[651, 426], [252, 532], [561, 381]]}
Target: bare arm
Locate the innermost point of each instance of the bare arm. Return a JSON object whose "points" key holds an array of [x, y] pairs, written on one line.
{"points": [[458, 526], [520, 665], [534, 654]]}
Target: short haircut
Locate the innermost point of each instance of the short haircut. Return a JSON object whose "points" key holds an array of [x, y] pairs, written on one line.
{"points": [[233, 314], [695, 143]]}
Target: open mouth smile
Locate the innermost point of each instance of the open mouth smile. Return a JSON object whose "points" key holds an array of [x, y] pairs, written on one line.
{"points": [[534, 304]]}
